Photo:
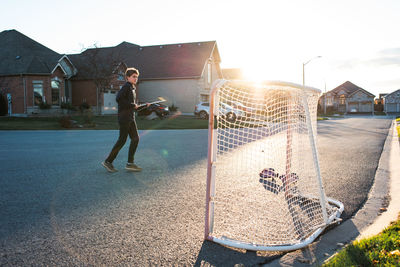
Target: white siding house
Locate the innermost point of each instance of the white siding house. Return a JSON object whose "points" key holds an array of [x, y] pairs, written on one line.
{"points": [[392, 102]]}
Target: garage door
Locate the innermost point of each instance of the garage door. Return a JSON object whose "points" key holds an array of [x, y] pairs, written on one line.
{"points": [[391, 107], [110, 104], [353, 107], [366, 107]]}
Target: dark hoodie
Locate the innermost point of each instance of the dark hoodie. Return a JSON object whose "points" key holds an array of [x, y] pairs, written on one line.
{"points": [[126, 99]]}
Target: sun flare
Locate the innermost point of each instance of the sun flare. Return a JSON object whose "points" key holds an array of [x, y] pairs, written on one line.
{"points": [[255, 74]]}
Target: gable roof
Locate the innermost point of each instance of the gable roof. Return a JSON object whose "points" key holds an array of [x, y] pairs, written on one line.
{"points": [[349, 89], [103, 59], [20, 54], [185, 60], [174, 61], [394, 94]]}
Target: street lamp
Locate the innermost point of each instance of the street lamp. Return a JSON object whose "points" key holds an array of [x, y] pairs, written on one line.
{"points": [[305, 63]]}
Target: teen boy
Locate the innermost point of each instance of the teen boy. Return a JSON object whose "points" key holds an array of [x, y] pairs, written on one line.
{"points": [[127, 104]]}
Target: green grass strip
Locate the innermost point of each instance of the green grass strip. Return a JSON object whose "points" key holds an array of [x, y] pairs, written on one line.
{"points": [[380, 250]]}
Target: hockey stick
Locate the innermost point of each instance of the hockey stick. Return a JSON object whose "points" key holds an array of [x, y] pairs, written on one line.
{"points": [[160, 99]]}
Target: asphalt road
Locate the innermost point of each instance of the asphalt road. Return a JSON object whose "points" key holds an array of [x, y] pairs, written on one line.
{"points": [[59, 207]]}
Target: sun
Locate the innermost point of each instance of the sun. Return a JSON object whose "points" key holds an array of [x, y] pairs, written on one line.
{"points": [[255, 74]]}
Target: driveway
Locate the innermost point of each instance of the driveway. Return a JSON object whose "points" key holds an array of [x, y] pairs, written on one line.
{"points": [[58, 206]]}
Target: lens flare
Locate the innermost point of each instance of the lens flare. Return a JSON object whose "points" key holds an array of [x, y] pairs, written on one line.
{"points": [[164, 153]]}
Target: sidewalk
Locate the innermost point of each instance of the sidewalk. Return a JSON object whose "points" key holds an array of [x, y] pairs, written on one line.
{"points": [[369, 220]]}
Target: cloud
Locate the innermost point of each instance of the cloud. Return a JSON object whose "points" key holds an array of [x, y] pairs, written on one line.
{"points": [[390, 51], [384, 61], [389, 85], [348, 64], [385, 57]]}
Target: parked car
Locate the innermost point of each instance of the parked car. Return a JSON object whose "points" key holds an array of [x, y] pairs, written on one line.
{"points": [[240, 106], [202, 110], [159, 110]]}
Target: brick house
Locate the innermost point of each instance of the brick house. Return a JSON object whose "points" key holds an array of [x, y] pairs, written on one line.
{"points": [[181, 73], [347, 98], [32, 74]]}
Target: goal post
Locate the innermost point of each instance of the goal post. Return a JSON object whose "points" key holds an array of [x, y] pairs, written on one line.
{"points": [[264, 187]]}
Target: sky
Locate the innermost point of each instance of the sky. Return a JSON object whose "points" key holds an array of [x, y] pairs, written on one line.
{"points": [[335, 40]]}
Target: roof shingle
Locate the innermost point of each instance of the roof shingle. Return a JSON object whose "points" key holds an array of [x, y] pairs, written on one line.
{"points": [[20, 54], [184, 60], [349, 88]]}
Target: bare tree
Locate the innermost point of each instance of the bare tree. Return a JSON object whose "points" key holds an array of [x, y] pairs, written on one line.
{"points": [[99, 65]]}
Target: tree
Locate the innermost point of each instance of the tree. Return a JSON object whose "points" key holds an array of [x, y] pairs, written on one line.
{"points": [[101, 65]]}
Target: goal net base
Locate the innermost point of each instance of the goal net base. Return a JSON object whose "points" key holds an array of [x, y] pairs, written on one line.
{"points": [[264, 188]]}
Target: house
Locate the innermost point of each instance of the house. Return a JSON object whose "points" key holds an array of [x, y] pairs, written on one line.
{"points": [[100, 76], [347, 98], [392, 102], [181, 73], [32, 74]]}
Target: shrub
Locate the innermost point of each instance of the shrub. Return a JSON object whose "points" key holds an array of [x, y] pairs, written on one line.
{"points": [[67, 105], [173, 108], [66, 122], [84, 106], [88, 118], [44, 105]]}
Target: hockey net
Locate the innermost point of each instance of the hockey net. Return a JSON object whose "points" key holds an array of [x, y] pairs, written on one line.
{"points": [[264, 189]]}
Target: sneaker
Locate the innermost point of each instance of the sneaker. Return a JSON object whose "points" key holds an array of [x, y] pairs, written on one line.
{"points": [[109, 166], [133, 167]]}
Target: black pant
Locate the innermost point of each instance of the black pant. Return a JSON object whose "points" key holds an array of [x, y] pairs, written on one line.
{"points": [[125, 129]]}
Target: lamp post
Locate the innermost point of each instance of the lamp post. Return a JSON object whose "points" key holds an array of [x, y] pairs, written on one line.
{"points": [[305, 63]]}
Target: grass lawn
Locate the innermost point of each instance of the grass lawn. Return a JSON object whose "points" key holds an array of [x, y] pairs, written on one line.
{"points": [[108, 122], [380, 250]]}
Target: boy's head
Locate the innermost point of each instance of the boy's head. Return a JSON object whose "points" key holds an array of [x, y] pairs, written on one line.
{"points": [[132, 74]]}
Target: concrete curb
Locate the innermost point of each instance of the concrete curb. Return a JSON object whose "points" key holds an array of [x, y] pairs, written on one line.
{"points": [[367, 221], [393, 209]]}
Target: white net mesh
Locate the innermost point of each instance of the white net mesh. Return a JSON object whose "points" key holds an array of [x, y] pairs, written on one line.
{"points": [[266, 189]]}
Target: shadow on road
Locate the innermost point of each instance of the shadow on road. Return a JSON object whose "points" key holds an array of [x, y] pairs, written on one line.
{"points": [[213, 254]]}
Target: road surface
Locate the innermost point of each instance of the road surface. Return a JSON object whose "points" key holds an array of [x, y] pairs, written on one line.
{"points": [[58, 205]]}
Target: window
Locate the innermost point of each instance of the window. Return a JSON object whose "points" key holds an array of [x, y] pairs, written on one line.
{"points": [[342, 100], [38, 96], [204, 98], [329, 101], [55, 92], [209, 73], [120, 76]]}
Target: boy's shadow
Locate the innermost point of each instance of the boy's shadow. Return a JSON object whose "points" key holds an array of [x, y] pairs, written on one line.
{"points": [[213, 254]]}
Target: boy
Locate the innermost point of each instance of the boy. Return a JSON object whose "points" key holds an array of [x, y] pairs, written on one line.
{"points": [[127, 104]]}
